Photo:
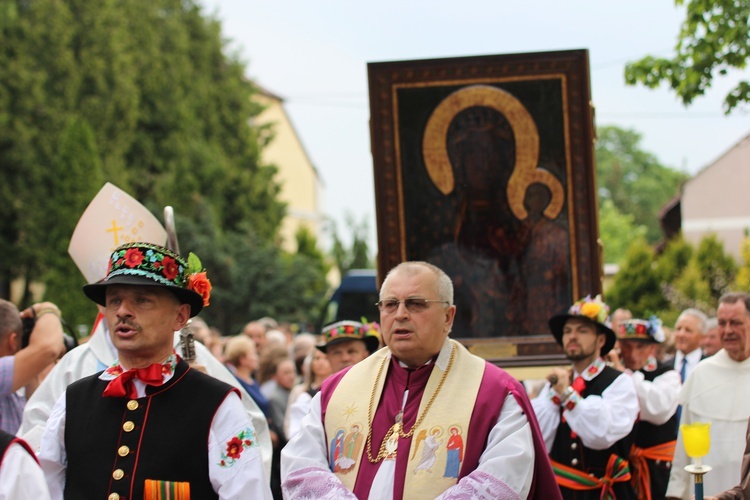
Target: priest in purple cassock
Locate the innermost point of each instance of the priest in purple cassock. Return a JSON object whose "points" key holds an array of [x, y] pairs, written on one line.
{"points": [[416, 400]]}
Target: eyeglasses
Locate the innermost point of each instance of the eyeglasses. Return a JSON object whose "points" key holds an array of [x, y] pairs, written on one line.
{"points": [[414, 305]]}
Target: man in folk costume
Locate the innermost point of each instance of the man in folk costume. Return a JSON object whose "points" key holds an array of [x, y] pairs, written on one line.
{"points": [[658, 387], [126, 432], [716, 393], [99, 353], [422, 381], [587, 413]]}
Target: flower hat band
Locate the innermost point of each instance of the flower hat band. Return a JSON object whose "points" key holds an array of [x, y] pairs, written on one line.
{"points": [[350, 330], [640, 329], [147, 264]]}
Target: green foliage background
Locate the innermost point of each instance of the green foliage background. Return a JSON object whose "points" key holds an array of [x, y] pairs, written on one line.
{"points": [[633, 188], [142, 94], [713, 39]]}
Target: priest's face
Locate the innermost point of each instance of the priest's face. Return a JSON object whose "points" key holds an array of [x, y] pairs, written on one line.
{"points": [[734, 327], [142, 321], [415, 331]]}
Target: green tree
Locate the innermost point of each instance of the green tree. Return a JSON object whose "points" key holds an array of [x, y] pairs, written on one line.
{"points": [[142, 94], [742, 281], [690, 289], [633, 179], [314, 269], [251, 276], [617, 231], [356, 256], [636, 286], [73, 179], [673, 260], [714, 38], [716, 267]]}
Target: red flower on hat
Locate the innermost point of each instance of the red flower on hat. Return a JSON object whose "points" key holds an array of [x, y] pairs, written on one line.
{"points": [[640, 329], [171, 268], [201, 285], [133, 258]]}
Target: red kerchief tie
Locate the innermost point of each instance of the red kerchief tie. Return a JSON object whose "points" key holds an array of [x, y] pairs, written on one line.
{"points": [[123, 385], [579, 385]]}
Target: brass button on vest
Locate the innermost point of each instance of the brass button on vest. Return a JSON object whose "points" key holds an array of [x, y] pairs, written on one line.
{"points": [[128, 426], [132, 405], [113, 496], [123, 451], [118, 474]]}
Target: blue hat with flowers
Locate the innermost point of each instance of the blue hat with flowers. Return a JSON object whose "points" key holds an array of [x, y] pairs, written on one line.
{"points": [[146, 264], [591, 309], [350, 330], [645, 330]]}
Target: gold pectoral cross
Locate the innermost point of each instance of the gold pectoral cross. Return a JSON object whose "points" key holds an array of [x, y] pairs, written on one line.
{"points": [[391, 441]]}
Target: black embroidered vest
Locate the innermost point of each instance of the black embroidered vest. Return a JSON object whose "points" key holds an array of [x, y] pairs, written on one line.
{"points": [[571, 451], [648, 435], [114, 444]]}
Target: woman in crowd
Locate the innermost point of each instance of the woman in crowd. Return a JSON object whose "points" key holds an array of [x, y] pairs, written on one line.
{"points": [[315, 370]]}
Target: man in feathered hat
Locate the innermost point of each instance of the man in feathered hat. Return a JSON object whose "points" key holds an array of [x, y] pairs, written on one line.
{"points": [[587, 412], [126, 432], [658, 387]]}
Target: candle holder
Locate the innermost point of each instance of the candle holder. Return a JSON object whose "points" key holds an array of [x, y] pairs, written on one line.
{"points": [[697, 440]]}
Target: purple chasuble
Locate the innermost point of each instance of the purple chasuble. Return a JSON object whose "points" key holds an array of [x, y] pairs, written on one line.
{"points": [[494, 388]]}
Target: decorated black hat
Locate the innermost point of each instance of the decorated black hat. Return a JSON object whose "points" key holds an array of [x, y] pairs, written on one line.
{"points": [[146, 264], [643, 330], [344, 331], [593, 310]]}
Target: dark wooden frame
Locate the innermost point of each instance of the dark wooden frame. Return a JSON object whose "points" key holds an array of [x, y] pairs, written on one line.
{"points": [[566, 70]]}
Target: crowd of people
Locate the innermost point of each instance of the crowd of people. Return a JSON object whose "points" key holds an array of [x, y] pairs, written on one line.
{"points": [[395, 409]]}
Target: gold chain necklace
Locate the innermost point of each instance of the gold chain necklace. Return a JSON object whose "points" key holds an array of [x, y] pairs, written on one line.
{"points": [[397, 427]]}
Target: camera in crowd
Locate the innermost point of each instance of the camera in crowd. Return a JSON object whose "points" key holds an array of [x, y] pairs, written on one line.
{"points": [[69, 338]]}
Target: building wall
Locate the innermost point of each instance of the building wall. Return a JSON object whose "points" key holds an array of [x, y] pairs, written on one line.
{"points": [[717, 200], [301, 187]]}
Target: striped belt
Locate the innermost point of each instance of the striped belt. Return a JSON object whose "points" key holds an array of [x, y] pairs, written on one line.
{"points": [[617, 471], [166, 490], [641, 474]]}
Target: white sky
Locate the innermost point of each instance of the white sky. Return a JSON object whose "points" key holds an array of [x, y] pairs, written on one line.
{"points": [[314, 54]]}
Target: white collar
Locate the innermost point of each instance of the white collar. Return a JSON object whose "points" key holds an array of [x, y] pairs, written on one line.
{"points": [[692, 357]]}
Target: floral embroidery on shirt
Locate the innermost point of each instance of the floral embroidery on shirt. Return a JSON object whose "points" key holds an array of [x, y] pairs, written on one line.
{"points": [[651, 364], [593, 370], [235, 446], [167, 368]]}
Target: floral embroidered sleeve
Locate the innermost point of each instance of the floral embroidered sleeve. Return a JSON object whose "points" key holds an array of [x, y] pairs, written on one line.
{"points": [[235, 462]]}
